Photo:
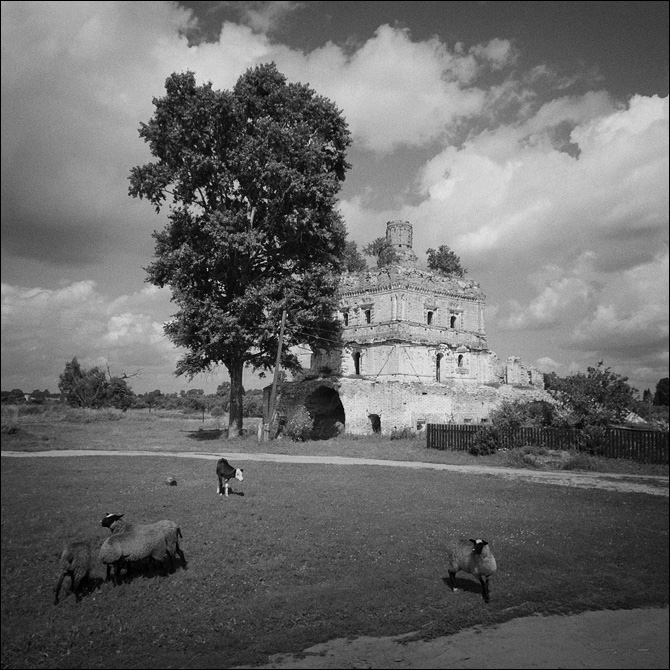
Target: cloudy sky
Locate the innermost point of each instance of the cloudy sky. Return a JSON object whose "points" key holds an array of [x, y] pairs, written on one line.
{"points": [[530, 137]]}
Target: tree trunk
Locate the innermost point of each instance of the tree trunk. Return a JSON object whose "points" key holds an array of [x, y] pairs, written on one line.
{"points": [[235, 423]]}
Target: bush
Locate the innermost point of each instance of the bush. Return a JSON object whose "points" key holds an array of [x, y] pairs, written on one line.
{"points": [[403, 434], [299, 426], [486, 442], [595, 440]]}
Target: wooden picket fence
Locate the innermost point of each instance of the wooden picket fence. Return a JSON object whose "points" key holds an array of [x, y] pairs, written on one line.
{"points": [[644, 446]]}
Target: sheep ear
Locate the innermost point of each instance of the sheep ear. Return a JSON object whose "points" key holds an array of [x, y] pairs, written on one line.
{"points": [[473, 541]]}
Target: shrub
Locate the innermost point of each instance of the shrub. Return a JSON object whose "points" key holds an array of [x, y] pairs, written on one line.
{"points": [[299, 426], [594, 439], [486, 442], [403, 434]]}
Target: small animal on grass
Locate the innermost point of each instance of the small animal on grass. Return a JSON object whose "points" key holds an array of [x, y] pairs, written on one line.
{"points": [[225, 472], [75, 563], [474, 557], [133, 542]]}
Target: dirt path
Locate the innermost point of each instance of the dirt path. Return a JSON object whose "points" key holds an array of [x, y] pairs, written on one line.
{"points": [[653, 485], [606, 639], [610, 639]]}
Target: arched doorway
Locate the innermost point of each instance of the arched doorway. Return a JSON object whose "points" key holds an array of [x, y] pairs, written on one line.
{"points": [[325, 407]]}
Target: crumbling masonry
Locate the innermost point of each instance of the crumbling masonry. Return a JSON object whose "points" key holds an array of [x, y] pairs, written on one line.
{"points": [[413, 351]]}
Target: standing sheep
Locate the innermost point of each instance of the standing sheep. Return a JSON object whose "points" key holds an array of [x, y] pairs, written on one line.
{"points": [[75, 562], [169, 529], [478, 560]]}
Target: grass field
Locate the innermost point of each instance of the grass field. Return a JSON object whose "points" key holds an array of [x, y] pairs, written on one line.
{"points": [[308, 553]]}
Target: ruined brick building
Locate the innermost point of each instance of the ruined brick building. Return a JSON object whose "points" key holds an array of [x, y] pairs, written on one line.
{"points": [[413, 350]]}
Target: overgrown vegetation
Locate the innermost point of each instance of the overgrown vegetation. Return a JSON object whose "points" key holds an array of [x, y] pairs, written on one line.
{"points": [[299, 426], [590, 403]]}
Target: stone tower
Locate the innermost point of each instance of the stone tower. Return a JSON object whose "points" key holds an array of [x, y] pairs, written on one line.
{"points": [[399, 236]]}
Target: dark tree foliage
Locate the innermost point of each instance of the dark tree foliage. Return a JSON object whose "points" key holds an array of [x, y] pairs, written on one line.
{"points": [[353, 259], [382, 250], [91, 388], [662, 394], [119, 394], [83, 388], [445, 261], [251, 176], [598, 398]]}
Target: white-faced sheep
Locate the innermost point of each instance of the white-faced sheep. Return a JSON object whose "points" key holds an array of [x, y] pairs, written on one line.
{"points": [[474, 557], [75, 563]]}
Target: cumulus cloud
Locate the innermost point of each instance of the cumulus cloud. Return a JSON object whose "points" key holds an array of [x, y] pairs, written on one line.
{"points": [[52, 326], [558, 207]]}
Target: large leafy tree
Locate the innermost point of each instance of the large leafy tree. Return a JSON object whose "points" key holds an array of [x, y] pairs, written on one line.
{"points": [[252, 176]]}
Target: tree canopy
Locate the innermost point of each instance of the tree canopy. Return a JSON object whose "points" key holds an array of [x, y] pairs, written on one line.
{"points": [[445, 261], [598, 398], [382, 250], [353, 259], [250, 176], [91, 388], [662, 393]]}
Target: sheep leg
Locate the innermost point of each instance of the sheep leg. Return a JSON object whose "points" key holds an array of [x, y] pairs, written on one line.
{"points": [[58, 585], [484, 581], [452, 580], [220, 486], [181, 556]]}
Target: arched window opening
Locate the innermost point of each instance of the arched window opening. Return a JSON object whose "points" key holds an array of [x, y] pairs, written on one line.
{"points": [[376, 422], [346, 318], [357, 363], [460, 360], [429, 318], [438, 367], [452, 322], [368, 315]]}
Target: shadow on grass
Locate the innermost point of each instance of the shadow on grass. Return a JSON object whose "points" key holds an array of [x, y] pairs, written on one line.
{"points": [[148, 569], [201, 434], [88, 586], [465, 584], [233, 493]]}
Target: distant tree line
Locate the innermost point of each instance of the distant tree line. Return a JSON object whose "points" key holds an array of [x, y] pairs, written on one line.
{"points": [[94, 388]]}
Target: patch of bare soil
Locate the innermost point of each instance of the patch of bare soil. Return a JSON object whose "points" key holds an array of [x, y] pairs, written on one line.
{"points": [[608, 639]]}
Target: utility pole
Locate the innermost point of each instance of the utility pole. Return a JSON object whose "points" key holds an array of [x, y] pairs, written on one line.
{"points": [[273, 394]]}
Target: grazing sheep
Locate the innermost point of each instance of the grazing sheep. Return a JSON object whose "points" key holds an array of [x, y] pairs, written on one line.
{"points": [[477, 559], [75, 562], [169, 529]]}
